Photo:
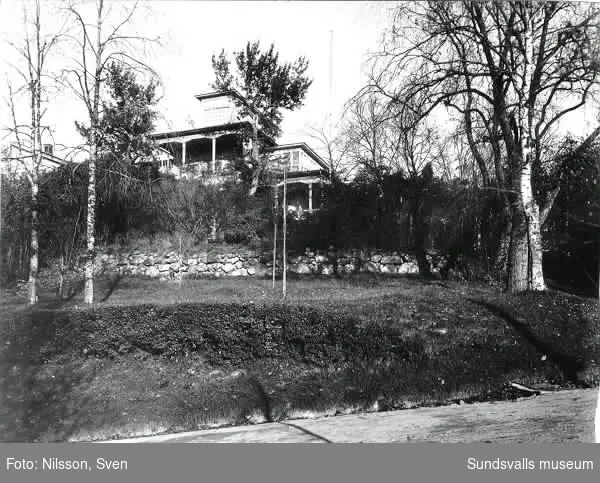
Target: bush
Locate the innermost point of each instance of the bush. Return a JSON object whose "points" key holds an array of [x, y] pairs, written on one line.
{"points": [[220, 333]]}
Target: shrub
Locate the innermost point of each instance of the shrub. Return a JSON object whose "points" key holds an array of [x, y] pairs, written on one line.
{"points": [[220, 333]]}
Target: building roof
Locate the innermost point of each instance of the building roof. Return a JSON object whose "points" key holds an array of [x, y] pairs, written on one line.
{"points": [[27, 153], [306, 148], [232, 126], [236, 95], [226, 93]]}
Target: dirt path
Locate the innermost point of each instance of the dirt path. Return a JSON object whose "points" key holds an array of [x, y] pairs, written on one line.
{"points": [[566, 416]]}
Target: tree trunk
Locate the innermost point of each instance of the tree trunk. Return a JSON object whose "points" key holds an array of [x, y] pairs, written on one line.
{"points": [[525, 261], [255, 158], [94, 141], [421, 234], [33, 260], [518, 264], [527, 144], [532, 214], [36, 115], [503, 249], [90, 233], [254, 184]]}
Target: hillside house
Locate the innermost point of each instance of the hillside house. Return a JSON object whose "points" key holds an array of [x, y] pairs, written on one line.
{"points": [[220, 136]]}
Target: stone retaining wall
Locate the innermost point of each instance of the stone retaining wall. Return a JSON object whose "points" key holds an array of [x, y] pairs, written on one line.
{"points": [[245, 262]]}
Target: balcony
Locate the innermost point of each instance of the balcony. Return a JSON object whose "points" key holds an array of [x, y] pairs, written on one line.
{"points": [[202, 170]]}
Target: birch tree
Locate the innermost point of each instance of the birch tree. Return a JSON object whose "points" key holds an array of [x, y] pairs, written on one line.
{"points": [[517, 67], [105, 38], [34, 52]]}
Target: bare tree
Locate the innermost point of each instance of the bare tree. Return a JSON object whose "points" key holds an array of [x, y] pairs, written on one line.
{"points": [[516, 69], [99, 42], [34, 53], [415, 143], [367, 131], [336, 148]]}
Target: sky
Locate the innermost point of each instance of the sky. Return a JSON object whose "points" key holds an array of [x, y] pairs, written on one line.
{"points": [[199, 29], [191, 32]]}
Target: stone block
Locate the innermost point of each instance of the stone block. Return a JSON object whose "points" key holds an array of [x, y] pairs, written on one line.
{"points": [[408, 268], [302, 268], [386, 268], [152, 271], [372, 267], [327, 269]]}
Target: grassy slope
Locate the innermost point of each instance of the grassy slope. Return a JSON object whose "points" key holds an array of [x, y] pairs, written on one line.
{"points": [[468, 340]]}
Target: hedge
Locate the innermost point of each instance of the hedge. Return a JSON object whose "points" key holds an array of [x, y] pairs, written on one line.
{"points": [[220, 333]]}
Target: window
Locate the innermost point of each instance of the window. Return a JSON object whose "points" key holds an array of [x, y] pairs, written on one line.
{"points": [[295, 161], [48, 149]]}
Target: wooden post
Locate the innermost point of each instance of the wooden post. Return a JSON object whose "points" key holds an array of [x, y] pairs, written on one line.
{"points": [[310, 198], [213, 164], [275, 231], [285, 167], [180, 273], [183, 153]]}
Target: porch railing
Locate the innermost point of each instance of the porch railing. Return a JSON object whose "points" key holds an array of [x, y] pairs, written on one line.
{"points": [[201, 169]]}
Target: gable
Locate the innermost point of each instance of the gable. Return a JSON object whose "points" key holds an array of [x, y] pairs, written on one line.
{"points": [[302, 158], [217, 108]]}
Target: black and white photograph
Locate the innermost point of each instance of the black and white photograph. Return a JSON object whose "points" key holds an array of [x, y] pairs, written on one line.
{"points": [[299, 222]]}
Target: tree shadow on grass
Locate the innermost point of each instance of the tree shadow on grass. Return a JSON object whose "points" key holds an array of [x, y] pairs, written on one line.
{"points": [[41, 399], [114, 283], [351, 386], [570, 365]]}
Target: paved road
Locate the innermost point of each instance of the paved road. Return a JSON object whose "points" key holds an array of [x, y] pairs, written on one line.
{"points": [[566, 416]]}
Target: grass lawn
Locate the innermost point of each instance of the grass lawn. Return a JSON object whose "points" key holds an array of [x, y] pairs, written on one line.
{"points": [[163, 356]]}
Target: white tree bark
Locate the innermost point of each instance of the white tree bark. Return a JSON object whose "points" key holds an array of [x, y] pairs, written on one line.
{"points": [[527, 143], [35, 51], [33, 260], [90, 233], [91, 201], [532, 213]]}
